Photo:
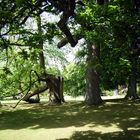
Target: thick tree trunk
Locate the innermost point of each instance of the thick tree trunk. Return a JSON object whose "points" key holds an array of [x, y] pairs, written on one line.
{"points": [[93, 91], [93, 96], [56, 87], [132, 83]]}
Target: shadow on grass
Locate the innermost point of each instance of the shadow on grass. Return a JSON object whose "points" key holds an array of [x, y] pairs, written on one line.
{"points": [[90, 135], [124, 115]]}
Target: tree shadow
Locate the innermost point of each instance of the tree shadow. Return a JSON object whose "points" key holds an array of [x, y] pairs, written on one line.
{"points": [[125, 115], [90, 135]]}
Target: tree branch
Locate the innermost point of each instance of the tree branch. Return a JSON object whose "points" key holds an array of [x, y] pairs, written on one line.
{"points": [[65, 41]]}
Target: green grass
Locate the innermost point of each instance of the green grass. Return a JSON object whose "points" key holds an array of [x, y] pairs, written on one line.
{"points": [[71, 121]]}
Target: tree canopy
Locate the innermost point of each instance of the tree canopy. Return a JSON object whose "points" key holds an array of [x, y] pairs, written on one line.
{"points": [[32, 34]]}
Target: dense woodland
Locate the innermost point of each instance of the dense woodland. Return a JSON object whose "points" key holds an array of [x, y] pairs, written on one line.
{"points": [[37, 35]]}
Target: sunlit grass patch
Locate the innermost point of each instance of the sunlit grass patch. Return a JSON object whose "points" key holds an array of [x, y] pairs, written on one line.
{"points": [[72, 120]]}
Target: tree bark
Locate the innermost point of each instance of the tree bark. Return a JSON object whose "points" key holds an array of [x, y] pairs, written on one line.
{"points": [[68, 11], [56, 87], [132, 82], [28, 96], [61, 89], [0, 104], [40, 45], [93, 96]]}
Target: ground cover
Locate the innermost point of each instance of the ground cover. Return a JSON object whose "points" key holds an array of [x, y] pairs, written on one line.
{"points": [[117, 120]]}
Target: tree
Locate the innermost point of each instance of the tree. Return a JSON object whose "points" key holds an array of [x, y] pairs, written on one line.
{"points": [[31, 54], [132, 82], [74, 79], [102, 24], [90, 27], [22, 11], [53, 83], [93, 96], [126, 32]]}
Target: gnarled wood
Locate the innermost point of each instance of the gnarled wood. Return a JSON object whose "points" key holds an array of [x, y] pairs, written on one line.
{"points": [[55, 86], [68, 11], [33, 93]]}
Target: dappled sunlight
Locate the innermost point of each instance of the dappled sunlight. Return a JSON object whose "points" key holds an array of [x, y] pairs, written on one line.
{"points": [[133, 118], [105, 129], [71, 120], [91, 135]]}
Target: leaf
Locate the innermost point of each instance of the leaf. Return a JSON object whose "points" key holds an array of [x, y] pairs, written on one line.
{"points": [[7, 70], [20, 2]]}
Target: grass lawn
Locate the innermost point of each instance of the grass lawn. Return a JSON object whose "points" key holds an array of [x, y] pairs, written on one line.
{"points": [[71, 121]]}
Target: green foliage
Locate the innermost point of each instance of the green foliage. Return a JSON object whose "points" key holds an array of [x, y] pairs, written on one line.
{"points": [[16, 73], [112, 27], [75, 84], [21, 57], [20, 2], [71, 116]]}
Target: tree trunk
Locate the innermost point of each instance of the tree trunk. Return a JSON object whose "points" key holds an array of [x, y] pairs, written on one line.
{"points": [[61, 89], [40, 45], [132, 82], [55, 83], [28, 96], [93, 96], [56, 87]]}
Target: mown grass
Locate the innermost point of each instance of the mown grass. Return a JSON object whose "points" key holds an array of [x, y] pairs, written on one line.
{"points": [[71, 121]]}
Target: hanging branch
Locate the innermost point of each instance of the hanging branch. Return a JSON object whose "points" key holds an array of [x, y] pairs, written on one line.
{"points": [[67, 8], [68, 12], [28, 89], [39, 90]]}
